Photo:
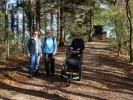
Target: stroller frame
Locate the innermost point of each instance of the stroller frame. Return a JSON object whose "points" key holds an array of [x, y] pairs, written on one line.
{"points": [[67, 72]]}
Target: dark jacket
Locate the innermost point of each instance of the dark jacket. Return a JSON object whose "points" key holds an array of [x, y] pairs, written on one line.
{"points": [[32, 46], [78, 43]]}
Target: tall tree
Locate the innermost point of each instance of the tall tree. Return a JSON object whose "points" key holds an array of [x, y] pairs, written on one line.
{"points": [[38, 7], [128, 12], [61, 41], [17, 13], [29, 14], [12, 18], [6, 27], [23, 5], [51, 21]]}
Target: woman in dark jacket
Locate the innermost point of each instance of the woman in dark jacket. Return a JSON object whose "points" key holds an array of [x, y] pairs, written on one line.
{"points": [[34, 53], [78, 43]]}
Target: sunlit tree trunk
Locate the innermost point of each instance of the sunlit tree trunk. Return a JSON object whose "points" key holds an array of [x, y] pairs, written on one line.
{"points": [[58, 25], [23, 28], [38, 5], [17, 18], [6, 27], [51, 21], [33, 23], [88, 19], [29, 17], [90, 26], [119, 45], [12, 18], [61, 41], [45, 23], [128, 12]]}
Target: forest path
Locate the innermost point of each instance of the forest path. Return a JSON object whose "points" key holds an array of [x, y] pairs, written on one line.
{"points": [[105, 77]]}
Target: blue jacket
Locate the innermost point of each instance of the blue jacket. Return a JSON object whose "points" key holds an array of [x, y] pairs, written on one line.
{"points": [[34, 46], [49, 45]]}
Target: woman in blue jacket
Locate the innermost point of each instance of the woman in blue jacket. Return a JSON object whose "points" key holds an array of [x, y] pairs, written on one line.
{"points": [[49, 50], [34, 53]]}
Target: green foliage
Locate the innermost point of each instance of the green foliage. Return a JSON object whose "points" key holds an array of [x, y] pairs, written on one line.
{"points": [[113, 18], [3, 47], [116, 19], [75, 17], [1, 20]]}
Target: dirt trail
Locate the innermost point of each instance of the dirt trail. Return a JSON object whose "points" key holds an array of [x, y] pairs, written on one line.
{"points": [[105, 77]]}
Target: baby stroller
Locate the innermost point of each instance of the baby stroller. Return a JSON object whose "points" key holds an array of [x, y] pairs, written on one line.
{"points": [[71, 69]]}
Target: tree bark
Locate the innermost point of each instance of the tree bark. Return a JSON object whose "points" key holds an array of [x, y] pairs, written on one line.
{"points": [[90, 25], [130, 29], [61, 41], [51, 22], [23, 29], [17, 18], [6, 28], [12, 19], [58, 25], [38, 5], [45, 23]]}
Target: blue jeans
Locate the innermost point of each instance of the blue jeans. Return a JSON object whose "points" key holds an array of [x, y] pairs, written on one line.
{"points": [[34, 63]]}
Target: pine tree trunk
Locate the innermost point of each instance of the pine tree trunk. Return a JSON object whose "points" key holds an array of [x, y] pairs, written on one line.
{"points": [[23, 29], [12, 19], [51, 22], [17, 18], [130, 27], [6, 29], [58, 25], [38, 5], [61, 42], [90, 26], [45, 23]]}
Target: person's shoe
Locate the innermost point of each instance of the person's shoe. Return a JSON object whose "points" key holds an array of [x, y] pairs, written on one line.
{"points": [[36, 73], [52, 74], [47, 75], [30, 76]]}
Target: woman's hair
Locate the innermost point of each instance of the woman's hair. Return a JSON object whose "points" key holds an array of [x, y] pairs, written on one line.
{"points": [[36, 31]]}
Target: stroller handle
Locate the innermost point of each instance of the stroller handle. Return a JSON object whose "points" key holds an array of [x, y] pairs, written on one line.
{"points": [[77, 51]]}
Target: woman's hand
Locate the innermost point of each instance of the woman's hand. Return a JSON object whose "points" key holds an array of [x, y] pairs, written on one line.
{"points": [[28, 55]]}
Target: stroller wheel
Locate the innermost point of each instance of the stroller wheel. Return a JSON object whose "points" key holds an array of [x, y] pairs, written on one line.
{"points": [[80, 74], [62, 73], [68, 82]]}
